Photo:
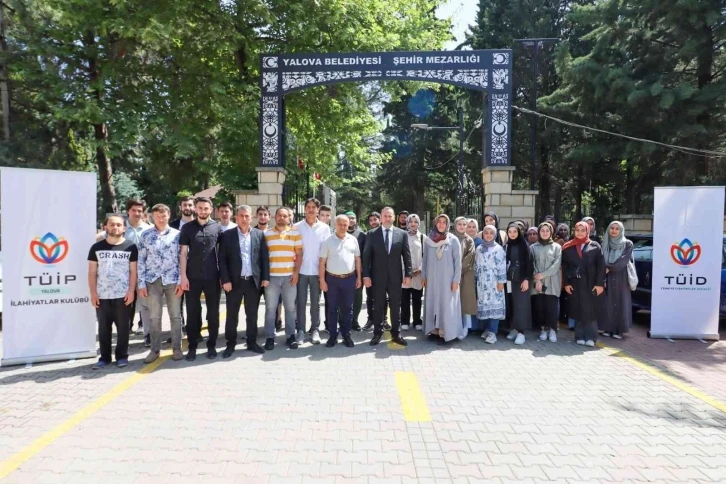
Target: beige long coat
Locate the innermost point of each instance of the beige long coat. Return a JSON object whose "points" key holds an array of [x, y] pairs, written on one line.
{"points": [[468, 283]]}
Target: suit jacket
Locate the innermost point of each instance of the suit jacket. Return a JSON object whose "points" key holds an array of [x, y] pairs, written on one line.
{"points": [[230, 257], [382, 266], [176, 223]]}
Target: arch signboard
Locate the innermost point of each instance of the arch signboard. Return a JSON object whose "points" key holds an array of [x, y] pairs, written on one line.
{"points": [[489, 71]]}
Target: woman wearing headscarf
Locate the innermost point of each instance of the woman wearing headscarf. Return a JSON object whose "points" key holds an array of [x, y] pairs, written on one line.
{"points": [[563, 234], [491, 218], [584, 272], [617, 252], [412, 293], [491, 276], [593, 229], [547, 282], [441, 271], [519, 272], [532, 235], [468, 286], [472, 230], [561, 237]]}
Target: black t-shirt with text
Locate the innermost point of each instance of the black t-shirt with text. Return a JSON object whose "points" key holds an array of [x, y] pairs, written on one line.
{"points": [[114, 267]]}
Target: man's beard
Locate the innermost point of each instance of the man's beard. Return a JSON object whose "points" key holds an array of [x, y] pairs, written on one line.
{"points": [[351, 228], [187, 213], [203, 219]]}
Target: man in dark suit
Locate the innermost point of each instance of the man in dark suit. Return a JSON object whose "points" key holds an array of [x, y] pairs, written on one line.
{"points": [[386, 247], [244, 264]]}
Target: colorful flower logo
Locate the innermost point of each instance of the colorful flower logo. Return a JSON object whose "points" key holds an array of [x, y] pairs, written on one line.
{"points": [[49, 249], [686, 253]]}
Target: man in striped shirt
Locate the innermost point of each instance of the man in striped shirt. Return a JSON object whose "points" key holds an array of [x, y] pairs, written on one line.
{"points": [[286, 253]]}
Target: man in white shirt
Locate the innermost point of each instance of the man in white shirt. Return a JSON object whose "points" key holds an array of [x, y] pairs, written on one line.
{"points": [[224, 215], [314, 233], [339, 271]]}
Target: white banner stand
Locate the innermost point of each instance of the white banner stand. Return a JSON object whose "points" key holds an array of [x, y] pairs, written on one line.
{"points": [[48, 227], [687, 258]]}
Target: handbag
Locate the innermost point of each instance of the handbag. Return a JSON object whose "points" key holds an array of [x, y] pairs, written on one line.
{"points": [[632, 275]]}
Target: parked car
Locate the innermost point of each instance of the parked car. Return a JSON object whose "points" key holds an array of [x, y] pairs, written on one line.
{"points": [[643, 256]]}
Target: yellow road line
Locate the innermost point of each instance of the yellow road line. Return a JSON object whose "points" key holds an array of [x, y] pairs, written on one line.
{"points": [[413, 402], [676, 382], [13, 462]]}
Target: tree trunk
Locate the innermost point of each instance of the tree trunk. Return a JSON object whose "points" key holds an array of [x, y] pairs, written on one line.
{"points": [[704, 74], [630, 205], [544, 184], [100, 134], [578, 192]]}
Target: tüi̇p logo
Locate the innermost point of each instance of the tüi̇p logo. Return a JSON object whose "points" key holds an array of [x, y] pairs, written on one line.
{"points": [[686, 253], [49, 249]]}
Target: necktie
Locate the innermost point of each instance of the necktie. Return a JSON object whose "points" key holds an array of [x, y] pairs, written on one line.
{"points": [[385, 241]]}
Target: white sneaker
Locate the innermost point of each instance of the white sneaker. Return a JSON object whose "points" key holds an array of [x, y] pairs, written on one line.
{"points": [[618, 336], [520, 339], [580, 342], [300, 337], [512, 334], [316, 337], [484, 334], [405, 327], [589, 343], [418, 327], [491, 338], [140, 330], [553, 336], [543, 336]]}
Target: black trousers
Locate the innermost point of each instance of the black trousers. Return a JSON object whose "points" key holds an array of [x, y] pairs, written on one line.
{"points": [[386, 292], [546, 310], [212, 294], [371, 304], [110, 312], [248, 291], [411, 296]]}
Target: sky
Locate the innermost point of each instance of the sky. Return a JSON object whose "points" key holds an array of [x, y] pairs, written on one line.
{"points": [[463, 13]]}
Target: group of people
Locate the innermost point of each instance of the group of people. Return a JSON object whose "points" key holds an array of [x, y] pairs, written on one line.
{"points": [[448, 283]]}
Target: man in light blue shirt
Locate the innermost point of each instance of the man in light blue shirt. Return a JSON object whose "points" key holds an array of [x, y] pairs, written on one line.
{"points": [[159, 278]]}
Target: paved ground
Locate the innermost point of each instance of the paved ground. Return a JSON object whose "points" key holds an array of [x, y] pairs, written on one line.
{"points": [[541, 412]]}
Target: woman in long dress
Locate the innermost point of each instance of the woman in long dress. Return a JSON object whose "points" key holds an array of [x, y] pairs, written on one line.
{"points": [[412, 294], [441, 271], [491, 275], [584, 271], [547, 257], [519, 272], [561, 237], [467, 290], [617, 252]]}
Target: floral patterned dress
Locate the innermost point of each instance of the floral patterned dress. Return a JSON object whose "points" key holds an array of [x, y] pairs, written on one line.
{"points": [[491, 269]]}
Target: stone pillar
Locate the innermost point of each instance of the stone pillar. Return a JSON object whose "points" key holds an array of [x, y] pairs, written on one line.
{"points": [[508, 204], [270, 181]]}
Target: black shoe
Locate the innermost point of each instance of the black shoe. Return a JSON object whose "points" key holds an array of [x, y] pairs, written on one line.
{"points": [[433, 337], [184, 329], [356, 327], [348, 341], [332, 341], [200, 338], [376, 339], [191, 354], [228, 352], [399, 340], [168, 341], [269, 344], [255, 348], [147, 341], [291, 343], [211, 353], [368, 326], [278, 325], [386, 326]]}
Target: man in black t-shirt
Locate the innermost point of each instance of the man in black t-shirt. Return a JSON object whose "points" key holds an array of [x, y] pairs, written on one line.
{"points": [[112, 284], [199, 241]]}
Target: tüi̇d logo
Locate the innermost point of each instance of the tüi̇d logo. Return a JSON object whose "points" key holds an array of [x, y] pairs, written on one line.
{"points": [[686, 253]]}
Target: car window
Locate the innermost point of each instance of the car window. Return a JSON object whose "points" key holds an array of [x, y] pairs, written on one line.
{"points": [[643, 250], [723, 255]]}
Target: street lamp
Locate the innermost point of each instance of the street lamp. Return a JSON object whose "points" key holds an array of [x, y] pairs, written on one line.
{"points": [[460, 163], [537, 44]]}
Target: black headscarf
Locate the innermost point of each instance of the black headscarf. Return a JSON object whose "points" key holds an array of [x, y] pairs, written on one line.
{"points": [[520, 247], [497, 235]]}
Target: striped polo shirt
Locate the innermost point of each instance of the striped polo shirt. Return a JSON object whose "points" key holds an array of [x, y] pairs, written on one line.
{"points": [[282, 246]]}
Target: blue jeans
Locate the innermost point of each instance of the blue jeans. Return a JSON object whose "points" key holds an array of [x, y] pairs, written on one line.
{"points": [[491, 324], [280, 286], [571, 322]]}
